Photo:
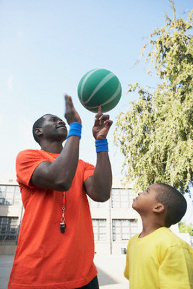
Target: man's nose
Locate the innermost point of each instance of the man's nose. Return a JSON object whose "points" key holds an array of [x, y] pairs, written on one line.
{"points": [[61, 122]]}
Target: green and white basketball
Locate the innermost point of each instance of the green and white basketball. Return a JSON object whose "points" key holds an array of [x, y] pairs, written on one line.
{"points": [[99, 87]]}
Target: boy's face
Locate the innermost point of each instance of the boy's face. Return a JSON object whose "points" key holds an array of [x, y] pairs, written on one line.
{"points": [[146, 201]]}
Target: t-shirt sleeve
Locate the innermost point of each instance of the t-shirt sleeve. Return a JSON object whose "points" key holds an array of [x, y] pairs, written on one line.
{"points": [[26, 162], [88, 170], [176, 269]]}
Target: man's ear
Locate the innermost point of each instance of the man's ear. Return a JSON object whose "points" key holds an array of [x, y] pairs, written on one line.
{"points": [[38, 131], [159, 208]]}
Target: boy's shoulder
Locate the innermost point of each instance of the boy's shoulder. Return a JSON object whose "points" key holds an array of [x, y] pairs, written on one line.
{"points": [[167, 238], [163, 237]]}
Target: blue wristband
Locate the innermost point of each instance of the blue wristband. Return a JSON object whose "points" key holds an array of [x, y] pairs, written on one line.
{"points": [[75, 129], [101, 145]]}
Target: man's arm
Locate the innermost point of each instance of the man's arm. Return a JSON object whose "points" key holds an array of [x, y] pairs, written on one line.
{"points": [[59, 174], [98, 187]]}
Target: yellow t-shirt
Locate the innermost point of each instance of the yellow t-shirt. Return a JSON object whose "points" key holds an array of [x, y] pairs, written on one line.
{"points": [[161, 260]]}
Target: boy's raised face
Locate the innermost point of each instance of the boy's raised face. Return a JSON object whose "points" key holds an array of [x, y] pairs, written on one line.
{"points": [[146, 202]]}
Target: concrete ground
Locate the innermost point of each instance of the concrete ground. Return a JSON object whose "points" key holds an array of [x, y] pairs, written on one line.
{"points": [[110, 271]]}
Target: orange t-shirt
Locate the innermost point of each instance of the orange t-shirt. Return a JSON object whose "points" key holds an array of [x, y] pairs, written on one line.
{"points": [[45, 257]]}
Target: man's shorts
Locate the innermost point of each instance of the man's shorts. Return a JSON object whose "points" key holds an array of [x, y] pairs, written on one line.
{"points": [[93, 284]]}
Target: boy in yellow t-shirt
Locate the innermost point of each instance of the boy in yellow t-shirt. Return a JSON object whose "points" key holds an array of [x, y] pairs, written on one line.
{"points": [[157, 258]]}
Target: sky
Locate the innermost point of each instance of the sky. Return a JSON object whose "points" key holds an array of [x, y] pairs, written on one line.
{"points": [[47, 46]]}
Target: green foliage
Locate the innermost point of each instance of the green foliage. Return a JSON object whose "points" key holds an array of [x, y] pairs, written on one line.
{"points": [[156, 134], [183, 228]]}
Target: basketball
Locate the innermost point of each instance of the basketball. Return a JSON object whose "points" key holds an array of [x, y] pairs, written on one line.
{"points": [[99, 87]]}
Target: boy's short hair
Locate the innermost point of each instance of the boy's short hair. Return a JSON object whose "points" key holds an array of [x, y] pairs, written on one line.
{"points": [[38, 124], [174, 202]]}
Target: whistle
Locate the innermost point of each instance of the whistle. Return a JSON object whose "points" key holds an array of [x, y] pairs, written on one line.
{"points": [[62, 227]]}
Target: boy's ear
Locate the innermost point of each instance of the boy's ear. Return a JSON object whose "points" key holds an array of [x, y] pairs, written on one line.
{"points": [[159, 208]]}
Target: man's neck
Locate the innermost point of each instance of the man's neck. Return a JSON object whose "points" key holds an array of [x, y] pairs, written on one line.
{"points": [[54, 147]]}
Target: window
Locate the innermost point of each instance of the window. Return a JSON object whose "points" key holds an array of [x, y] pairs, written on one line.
{"points": [[17, 197], [100, 229], [94, 204], [122, 198], [124, 229], [8, 228], [10, 195]]}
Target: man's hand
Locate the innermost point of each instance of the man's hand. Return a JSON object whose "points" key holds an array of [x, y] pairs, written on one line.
{"points": [[71, 114], [102, 125]]}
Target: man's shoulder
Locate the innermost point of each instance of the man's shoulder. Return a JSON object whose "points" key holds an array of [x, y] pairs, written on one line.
{"points": [[28, 152], [85, 164]]}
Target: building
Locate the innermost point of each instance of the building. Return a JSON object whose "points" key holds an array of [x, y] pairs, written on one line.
{"points": [[114, 221], [11, 212]]}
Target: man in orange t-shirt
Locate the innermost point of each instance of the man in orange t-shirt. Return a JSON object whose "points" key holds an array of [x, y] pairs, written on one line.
{"points": [[56, 245]]}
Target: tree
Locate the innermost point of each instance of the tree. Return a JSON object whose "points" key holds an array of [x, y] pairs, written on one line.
{"points": [[184, 228], [156, 134]]}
